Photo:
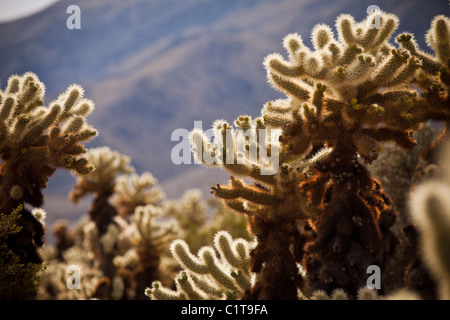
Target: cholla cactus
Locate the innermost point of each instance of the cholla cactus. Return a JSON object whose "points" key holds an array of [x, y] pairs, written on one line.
{"points": [[348, 94], [200, 220], [222, 272], [108, 164], [120, 262], [430, 208], [149, 237], [367, 80], [53, 281], [349, 73], [339, 294], [103, 230], [428, 275], [189, 210], [362, 96], [35, 140], [64, 238], [399, 170], [433, 76], [273, 205], [133, 190], [154, 233]]}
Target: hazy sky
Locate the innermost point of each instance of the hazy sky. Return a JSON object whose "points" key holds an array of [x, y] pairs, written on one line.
{"points": [[15, 9]]}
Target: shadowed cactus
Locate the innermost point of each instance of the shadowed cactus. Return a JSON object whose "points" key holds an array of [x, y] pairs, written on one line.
{"points": [[430, 208]]}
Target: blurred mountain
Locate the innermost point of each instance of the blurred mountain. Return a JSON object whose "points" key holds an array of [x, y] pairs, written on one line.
{"points": [[152, 66]]}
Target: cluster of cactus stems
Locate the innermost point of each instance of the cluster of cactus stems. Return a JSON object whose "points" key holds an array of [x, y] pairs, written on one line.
{"points": [[138, 197], [223, 272], [101, 183], [340, 294], [271, 206], [153, 236], [35, 140], [124, 216], [133, 190], [209, 275], [125, 248], [323, 209], [103, 226], [399, 170]]}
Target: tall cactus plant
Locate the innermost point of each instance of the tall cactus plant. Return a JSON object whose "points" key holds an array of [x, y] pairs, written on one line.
{"points": [[344, 98], [35, 140]]}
